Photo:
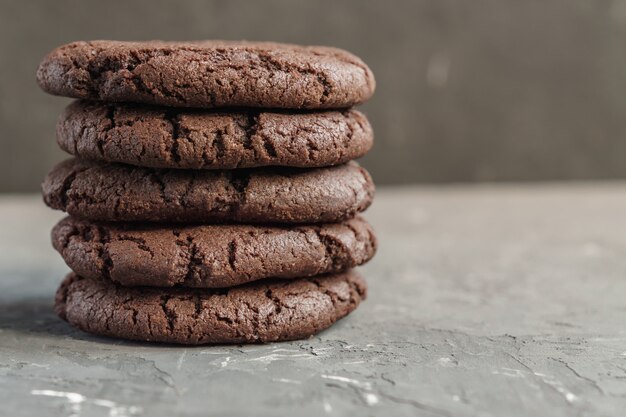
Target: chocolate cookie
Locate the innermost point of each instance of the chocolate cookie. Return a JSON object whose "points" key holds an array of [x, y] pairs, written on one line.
{"points": [[202, 139], [264, 311], [210, 256], [208, 74], [115, 192]]}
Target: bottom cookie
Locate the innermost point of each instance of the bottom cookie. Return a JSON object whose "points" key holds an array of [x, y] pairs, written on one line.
{"points": [[264, 311]]}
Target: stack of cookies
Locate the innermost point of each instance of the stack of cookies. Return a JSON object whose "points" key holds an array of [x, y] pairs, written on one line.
{"points": [[211, 197]]}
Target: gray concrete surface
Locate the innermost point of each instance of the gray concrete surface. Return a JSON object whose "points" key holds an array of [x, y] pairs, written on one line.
{"points": [[481, 90], [484, 301]]}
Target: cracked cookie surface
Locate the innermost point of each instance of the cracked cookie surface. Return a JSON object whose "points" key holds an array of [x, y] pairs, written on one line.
{"points": [[210, 256], [203, 139], [264, 311], [115, 192], [207, 74]]}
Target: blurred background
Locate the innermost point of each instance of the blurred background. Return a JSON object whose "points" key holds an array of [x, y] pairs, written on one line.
{"points": [[483, 90]]}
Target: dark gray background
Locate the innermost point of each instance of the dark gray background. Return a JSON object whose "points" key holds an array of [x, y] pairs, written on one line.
{"points": [[482, 90]]}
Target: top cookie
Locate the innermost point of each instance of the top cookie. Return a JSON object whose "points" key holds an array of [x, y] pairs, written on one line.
{"points": [[208, 74]]}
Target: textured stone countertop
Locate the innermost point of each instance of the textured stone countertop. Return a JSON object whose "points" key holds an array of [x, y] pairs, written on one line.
{"points": [[484, 301]]}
